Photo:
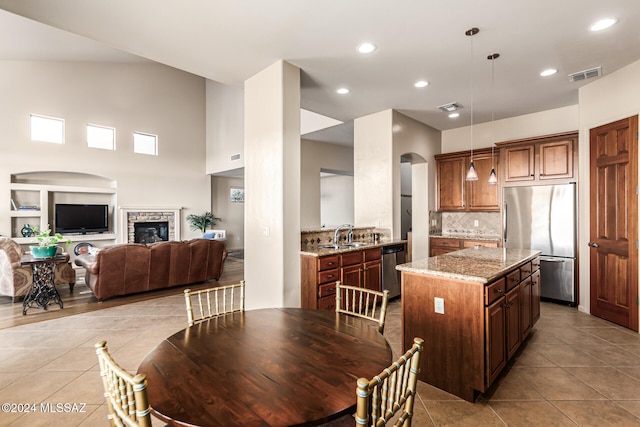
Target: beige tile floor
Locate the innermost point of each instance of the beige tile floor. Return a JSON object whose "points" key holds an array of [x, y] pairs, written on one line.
{"points": [[574, 370]]}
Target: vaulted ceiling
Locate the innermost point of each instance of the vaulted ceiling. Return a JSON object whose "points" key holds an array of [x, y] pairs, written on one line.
{"points": [[229, 41]]}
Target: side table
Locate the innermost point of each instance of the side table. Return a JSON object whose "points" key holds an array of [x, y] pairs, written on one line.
{"points": [[43, 291]]}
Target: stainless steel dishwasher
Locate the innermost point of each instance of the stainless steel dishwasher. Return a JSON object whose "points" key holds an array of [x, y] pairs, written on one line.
{"points": [[392, 255]]}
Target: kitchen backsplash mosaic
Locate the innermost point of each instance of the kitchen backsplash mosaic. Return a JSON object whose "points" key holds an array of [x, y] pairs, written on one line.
{"points": [[488, 223], [360, 234]]}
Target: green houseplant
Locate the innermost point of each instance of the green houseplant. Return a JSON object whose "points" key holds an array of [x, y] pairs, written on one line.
{"points": [[203, 221], [47, 243]]}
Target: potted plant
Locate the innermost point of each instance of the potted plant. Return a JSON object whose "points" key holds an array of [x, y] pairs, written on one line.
{"points": [[203, 221], [47, 243]]}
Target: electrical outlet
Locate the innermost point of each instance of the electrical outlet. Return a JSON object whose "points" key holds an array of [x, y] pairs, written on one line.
{"points": [[434, 222], [475, 223], [266, 231], [439, 305]]}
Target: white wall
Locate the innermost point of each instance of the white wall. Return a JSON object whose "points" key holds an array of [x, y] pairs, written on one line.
{"points": [[610, 98], [421, 143], [272, 187], [225, 127], [316, 156], [548, 122], [149, 98], [232, 214], [336, 200], [373, 170]]}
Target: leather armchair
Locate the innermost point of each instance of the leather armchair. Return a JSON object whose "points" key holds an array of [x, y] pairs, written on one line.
{"points": [[15, 280]]}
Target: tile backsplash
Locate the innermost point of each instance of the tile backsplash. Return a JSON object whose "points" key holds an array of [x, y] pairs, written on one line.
{"points": [[488, 223]]}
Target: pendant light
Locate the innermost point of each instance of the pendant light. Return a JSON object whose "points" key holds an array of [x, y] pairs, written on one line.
{"points": [[472, 175], [493, 178]]}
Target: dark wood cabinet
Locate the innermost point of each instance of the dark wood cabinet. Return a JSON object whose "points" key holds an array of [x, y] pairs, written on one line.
{"points": [[525, 307], [451, 183], [540, 159], [482, 196], [512, 321], [535, 296], [455, 193], [361, 268], [496, 339], [372, 275]]}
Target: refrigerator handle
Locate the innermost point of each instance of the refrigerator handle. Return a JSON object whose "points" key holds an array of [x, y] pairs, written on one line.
{"points": [[504, 222]]}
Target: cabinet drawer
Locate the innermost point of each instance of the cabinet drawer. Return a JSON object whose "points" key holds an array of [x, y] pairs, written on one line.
{"points": [[328, 276], [327, 303], [326, 290], [329, 262], [485, 243], [351, 258], [493, 291], [513, 279], [525, 270], [373, 254], [446, 243], [535, 264]]}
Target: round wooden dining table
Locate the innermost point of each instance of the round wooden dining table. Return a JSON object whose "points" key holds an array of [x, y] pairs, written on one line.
{"points": [[266, 367]]}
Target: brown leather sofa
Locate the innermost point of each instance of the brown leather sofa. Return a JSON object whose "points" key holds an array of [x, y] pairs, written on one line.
{"points": [[132, 267]]}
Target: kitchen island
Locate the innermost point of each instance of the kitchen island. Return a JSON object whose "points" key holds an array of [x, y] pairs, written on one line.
{"points": [[473, 308]]}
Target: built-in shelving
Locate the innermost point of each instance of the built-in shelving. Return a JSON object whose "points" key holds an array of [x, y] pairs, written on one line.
{"points": [[45, 191]]}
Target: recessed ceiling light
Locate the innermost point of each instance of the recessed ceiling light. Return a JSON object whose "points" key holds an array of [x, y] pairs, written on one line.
{"points": [[421, 83], [343, 91], [366, 47], [454, 115], [548, 72], [603, 24]]}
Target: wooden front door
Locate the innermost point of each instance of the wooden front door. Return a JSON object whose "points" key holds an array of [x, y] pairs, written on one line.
{"points": [[614, 222]]}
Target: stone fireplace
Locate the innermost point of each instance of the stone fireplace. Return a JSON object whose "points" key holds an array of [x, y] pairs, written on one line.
{"points": [[165, 222]]}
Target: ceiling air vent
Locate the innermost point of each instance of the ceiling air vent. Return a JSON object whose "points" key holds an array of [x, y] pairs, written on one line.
{"points": [[235, 157], [453, 106], [586, 74]]}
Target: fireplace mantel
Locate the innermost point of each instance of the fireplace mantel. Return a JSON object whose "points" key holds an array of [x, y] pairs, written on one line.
{"points": [[132, 214]]}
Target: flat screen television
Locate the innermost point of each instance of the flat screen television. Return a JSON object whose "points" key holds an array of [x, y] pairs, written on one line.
{"points": [[78, 218]]}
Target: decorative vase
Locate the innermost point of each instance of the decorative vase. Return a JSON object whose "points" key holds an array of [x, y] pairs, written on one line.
{"points": [[27, 231], [43, 251]]}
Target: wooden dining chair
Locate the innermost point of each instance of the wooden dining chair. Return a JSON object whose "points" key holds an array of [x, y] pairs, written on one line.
{"points": [[126, 394], [214, 302], [391, 391], [362, 302]]}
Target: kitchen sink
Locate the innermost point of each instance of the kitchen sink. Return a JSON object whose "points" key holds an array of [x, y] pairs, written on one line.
{"points": [[343, 245]]}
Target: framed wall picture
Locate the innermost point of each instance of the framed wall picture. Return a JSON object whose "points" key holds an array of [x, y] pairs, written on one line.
{"points": [[237, 195]]}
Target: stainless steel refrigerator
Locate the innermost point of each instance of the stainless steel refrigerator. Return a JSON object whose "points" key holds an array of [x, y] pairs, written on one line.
{"points": [[543, 217]]}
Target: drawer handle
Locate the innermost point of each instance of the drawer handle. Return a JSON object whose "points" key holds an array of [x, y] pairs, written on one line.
{"points": [[499, 290], [330, 263], [330, 276]]}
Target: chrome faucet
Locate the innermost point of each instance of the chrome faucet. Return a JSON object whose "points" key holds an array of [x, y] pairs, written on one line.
{"points": [[337, 233]]}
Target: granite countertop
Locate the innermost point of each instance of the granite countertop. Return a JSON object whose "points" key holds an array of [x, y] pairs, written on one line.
{"points": [[315, 251], [466, 236], [477, 264]]}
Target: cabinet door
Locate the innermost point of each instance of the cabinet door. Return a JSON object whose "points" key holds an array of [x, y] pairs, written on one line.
{"points": [[512, 320], [481, 195], [556, 160], [519, 163], [535, 297], [351, 275], [373, 275], [451, 183], [496, 342], [525, 307]]}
